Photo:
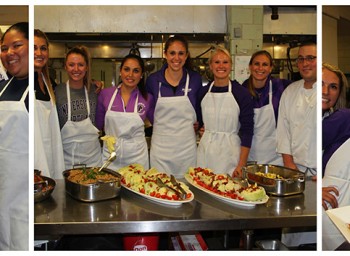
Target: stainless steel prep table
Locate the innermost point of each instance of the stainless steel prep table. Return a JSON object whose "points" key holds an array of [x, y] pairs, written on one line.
{"points": [[129, 213]]}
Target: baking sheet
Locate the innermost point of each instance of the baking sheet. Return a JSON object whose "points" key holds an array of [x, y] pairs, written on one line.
{"points": [[341, 218]]}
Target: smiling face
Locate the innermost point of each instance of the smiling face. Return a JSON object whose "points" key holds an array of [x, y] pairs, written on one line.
{"points": [[76, 68], [308, 69], [260, 68], [41, 53], [221, 65], [14, 54], [330, 89], [176, 56], [131, 73]]}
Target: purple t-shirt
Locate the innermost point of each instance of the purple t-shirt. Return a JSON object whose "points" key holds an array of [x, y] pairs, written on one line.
{"points": [[335, 131], [145, 108], [245, 103], [278, 86], [195, 83]]}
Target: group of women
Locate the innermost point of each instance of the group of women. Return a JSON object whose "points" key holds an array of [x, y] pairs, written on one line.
{"points": [[172, 99], [237, 123]]}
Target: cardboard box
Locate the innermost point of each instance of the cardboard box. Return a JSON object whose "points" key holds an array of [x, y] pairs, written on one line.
{"points": [[184, 241]]}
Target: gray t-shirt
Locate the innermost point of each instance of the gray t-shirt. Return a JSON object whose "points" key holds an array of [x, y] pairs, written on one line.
{"points": [[78, 104]]}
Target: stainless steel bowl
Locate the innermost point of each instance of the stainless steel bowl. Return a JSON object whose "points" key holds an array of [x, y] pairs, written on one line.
{"points": [[101, 190], [43, 191], [293, 181]]}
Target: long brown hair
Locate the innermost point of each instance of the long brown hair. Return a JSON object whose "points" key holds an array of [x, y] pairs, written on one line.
{"points": [[141, 84], [250, 87], [40, 34], [181, 39]]}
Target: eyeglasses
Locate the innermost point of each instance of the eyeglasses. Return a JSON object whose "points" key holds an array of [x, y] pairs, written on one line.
{"points": [[308, 59]]}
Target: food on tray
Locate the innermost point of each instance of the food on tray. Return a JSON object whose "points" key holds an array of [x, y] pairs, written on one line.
{"points": [[40, 184], [145, 182], [223, 185], [90, 176], [269, 175]]}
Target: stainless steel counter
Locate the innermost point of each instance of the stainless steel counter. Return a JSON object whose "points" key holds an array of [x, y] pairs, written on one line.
{"points": [[130, 213]]}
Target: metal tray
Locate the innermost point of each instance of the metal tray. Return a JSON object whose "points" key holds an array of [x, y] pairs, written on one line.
{"points": [[93, 192], [40, 195], [292, 183]]}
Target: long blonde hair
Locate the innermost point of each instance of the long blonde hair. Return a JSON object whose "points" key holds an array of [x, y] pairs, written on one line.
{"points": [[38, 33], [343, 83]]}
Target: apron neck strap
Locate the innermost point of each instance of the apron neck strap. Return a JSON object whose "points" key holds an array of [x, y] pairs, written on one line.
{"points": [[113, 98], [47, 88], [8, 83], [229, 86], [186, 86]]}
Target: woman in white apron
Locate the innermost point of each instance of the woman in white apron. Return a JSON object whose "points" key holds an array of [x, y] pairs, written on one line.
{"points": [[14, 141], [80, 139], [174, 88], [121, 113], [220, 147], [336, 148], [266, 92], [48, 150]]}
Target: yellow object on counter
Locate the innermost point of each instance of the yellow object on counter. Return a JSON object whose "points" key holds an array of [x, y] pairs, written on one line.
{"points": [[110, 141]]}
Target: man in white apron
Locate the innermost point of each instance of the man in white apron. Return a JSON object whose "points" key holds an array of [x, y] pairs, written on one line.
{"points": [[264, 143], [173, 146], [80, 139], [128, 129], [48, 150], [14, 159], [219, 148], [337, 174]]}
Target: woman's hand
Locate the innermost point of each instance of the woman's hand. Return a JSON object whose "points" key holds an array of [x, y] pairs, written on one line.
{"points": [[237, 172], [329, 197], [195, 127], [201, 131]]}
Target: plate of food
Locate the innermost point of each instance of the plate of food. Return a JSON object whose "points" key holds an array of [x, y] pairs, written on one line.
{"points": [[341, 218], [224, 188], [155, 186]]}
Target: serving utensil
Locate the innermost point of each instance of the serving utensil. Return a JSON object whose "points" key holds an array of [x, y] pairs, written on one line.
{"points": [[160, 183], [178, 186], [110, 159]]}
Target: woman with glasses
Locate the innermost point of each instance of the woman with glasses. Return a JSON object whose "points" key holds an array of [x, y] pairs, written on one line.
{"points": [[266, 92]]}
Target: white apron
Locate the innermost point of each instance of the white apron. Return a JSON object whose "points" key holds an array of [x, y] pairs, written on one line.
{"points": [[129, 131], [48, 150], [173, 145], [14, 179], [337, 174], [80, 139], [264, 143], [220, 146]]}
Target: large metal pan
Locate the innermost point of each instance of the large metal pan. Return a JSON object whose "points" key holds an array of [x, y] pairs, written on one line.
{"points": [[291, 183], [101, 190]]}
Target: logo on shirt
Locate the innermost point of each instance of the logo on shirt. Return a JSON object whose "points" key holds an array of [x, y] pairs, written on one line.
{"points": [[188, 90], [141, 108]]}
